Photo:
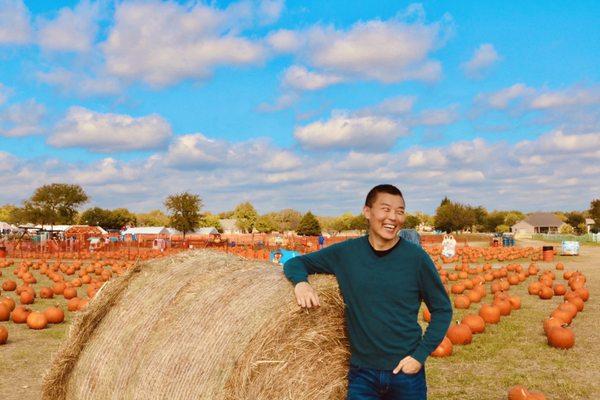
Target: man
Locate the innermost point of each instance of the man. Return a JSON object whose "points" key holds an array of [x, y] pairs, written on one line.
{"points": [[382, 279]]}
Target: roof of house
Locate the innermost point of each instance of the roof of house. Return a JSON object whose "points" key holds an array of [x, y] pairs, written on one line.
{"points": [[590, 221], [146, 230], [542, 219], [53, 228]]}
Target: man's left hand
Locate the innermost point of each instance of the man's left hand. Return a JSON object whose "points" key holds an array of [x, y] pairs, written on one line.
{"points": [[408, 365]]}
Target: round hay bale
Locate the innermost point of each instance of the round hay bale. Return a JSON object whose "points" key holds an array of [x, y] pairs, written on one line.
{"points": [[204, 325]]}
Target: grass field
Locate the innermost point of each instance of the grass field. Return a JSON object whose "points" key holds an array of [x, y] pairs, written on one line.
{"points": [[512, 352]]}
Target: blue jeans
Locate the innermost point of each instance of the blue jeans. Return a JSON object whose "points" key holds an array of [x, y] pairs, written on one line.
{"points": [[376, 384]]}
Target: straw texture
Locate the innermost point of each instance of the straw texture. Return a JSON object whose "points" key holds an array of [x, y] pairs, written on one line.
{"points": [[203, 325]]}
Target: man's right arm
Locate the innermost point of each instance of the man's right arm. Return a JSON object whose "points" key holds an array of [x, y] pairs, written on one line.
{"points": [[298, 268]]}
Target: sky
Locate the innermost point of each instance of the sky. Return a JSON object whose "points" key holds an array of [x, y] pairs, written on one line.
{"points": [[302, 104]]}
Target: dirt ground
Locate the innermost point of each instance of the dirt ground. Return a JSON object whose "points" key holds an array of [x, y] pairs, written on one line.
{"points": [[512, 352]]}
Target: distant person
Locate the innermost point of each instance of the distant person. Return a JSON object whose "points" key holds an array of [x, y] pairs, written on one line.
{"points": [[321, 241], [383, 279]]}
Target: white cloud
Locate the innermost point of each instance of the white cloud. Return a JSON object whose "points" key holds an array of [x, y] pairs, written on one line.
{"points": [[270, 10], [442, 116], [368, 133], [483, 58], [22, 119], [502, 98], [387, 51], [393, 106], [79, 83], [298, 77], [181, 42], [566, 98], [281, 160], [71, 30], [196, 150], [7, 161], [285, 41], [14, 22], [109, 132], [561, 143], [426, 158], [284, 101]]}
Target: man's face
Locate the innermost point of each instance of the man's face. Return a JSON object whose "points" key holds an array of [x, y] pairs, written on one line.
{"points": [[386, 216]]}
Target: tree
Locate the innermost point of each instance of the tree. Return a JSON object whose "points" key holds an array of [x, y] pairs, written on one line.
{"points": [[445, 201], [451, 217], [246, 216], [55, 203], [226, 214], [265, 224], [309, 225], [493, 220], [152, 218], [211, 220], [7, 213], [512, 217], [108, 219], [566, 229], [577, 221], [411, 222], [502, 228], [184, 209], [359, 222], [288, 219]]}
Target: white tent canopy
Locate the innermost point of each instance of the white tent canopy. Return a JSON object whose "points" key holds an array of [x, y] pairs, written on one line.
{"points": [[7, 226], [146, 230]]}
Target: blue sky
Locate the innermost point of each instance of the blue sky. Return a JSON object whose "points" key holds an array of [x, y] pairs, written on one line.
{"points": [[303, 104]]}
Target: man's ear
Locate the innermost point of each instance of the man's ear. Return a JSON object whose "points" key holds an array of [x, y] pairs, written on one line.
{"points": [[367, 212]]}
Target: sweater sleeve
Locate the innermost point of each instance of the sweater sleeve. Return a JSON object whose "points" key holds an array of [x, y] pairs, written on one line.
{"points": [[437, 301], [323, 261]]}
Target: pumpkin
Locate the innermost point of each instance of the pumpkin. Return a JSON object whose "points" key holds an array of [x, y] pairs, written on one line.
{"points": [[568, 307], [490, 314], [462, 301], [552, 322], [561, 337], [474, 322], [26, 298], [426, 314], [564, 315], [576, 300], [459, 334], [515, 302], [4, 312], [54, 315], [10, 303], [70, 292], [534, 288], [518, 393], [536, 396], [3, 335], [9, 285], [503, 305], [560, 289], [46, 293], [37, 320], [73, 304], [82, 304], [583, 293], [546, 293], [444, 349], [20, 314]]}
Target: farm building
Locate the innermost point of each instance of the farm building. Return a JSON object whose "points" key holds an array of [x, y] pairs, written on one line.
{"points": [[589, 223], [145, 233], [229, 226], [539, 222]]}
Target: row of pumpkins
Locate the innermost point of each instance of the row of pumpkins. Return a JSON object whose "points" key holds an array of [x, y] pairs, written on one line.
{"points": [[470, 291], [93, 275]]}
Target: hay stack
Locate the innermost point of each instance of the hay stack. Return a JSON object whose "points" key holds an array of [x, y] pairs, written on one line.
{"points": [[203, 325]]}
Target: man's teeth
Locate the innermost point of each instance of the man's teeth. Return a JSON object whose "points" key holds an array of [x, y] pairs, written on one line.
{"points": [[389, 226]]}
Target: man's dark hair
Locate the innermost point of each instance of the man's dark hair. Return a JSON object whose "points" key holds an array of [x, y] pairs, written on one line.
{"points": [[389, 189]]}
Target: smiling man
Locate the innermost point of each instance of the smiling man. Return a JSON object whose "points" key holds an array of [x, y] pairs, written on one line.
{"points": [[383, 280]]}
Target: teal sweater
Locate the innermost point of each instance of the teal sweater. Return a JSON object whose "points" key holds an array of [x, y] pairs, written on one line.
{"points": [[382, 297]]}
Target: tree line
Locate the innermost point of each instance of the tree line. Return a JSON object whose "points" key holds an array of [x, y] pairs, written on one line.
{"points": [[58, 204]]}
